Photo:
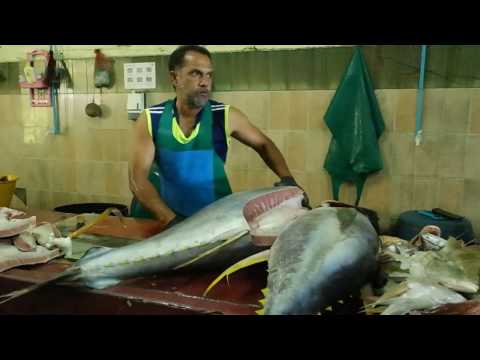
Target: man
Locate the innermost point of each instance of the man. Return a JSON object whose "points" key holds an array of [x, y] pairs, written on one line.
{"points": [[180, 146]]}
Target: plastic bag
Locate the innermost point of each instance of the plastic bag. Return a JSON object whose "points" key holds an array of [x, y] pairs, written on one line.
{"points": [[103, 70]]}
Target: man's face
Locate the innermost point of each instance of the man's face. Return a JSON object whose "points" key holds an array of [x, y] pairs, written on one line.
{"points": [[193, 81]]}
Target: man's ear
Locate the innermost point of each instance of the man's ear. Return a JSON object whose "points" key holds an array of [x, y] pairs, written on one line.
{"points": [[173, 78]]}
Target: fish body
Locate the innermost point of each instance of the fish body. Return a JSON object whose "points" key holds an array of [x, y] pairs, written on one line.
{"points": [[216, 235], [320, 258], [222, 220]]}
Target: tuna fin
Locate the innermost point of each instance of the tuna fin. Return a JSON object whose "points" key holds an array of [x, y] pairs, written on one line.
{"points": [[93, 252], [212, 250], [67, 274], [391, 294], [249, 261], [102, 283], [265, 292]]}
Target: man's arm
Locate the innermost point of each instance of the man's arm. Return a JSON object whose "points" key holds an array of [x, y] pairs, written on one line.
{"points": [[247, 133], [141, 161]]}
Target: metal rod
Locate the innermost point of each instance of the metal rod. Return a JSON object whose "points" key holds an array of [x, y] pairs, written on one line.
{"points": [[420, 97]]}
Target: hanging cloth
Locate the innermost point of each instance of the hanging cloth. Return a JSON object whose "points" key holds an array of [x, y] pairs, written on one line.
{"points": [[355, 121]]}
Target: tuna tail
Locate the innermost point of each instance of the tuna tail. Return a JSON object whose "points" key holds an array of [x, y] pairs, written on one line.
{"points": [[69, 274], [249, 261]]}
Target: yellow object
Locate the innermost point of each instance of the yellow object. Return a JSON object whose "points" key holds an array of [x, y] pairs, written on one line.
{"points": [[227, 128], [208, 252], [8, 183], [262, 302], [249, 261], [149, 122], [98, 219], [180, 136]]}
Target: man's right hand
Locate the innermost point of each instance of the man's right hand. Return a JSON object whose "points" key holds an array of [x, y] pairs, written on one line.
{"points": [[176, 220]]}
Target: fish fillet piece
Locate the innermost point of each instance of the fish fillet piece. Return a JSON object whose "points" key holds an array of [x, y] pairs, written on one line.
{"points": [[10, 226], [11, 257], [7, 213], [26, 241]]}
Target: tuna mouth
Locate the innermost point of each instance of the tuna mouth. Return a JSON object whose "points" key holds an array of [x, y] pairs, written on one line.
{"points": [[268, 215]]}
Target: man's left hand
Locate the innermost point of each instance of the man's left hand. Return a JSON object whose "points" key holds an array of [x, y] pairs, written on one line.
{"points": [[290, 181]]}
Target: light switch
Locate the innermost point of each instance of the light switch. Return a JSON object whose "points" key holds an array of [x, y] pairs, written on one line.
{"points": [[135, 105]]}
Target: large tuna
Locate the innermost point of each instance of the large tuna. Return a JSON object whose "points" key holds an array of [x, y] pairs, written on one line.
{"points": [[231, 228], [320, 258]]}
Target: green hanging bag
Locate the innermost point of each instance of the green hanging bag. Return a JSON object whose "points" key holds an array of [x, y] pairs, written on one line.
{"points": [[355, 121]]}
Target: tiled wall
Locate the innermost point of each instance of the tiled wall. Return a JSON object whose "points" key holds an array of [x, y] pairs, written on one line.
{"points": [[442, 172], [88, 161]]}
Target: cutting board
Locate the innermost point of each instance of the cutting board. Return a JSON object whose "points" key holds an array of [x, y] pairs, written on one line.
{"points": [[111, 232]]}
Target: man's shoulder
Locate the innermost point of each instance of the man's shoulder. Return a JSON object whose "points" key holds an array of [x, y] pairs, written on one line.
{"points": [[215, 103], [160, 106]]}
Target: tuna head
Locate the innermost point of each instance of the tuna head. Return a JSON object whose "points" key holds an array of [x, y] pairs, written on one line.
{"points": [[320, 258]]}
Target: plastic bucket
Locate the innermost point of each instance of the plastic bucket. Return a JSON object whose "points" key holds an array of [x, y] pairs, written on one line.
{"points": [[8, 184]]}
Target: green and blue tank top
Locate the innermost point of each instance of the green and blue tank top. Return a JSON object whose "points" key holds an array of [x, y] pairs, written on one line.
{"points": [[188, 172]]}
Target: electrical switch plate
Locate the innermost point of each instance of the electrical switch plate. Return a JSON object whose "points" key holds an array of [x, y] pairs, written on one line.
{"points": [[139, 76]]}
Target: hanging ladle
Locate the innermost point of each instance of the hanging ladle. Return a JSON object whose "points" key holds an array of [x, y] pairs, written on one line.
{"points": [[92, 109]]}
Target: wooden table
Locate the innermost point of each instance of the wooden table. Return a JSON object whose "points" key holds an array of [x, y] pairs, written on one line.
{"points": [[179, 293]]}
